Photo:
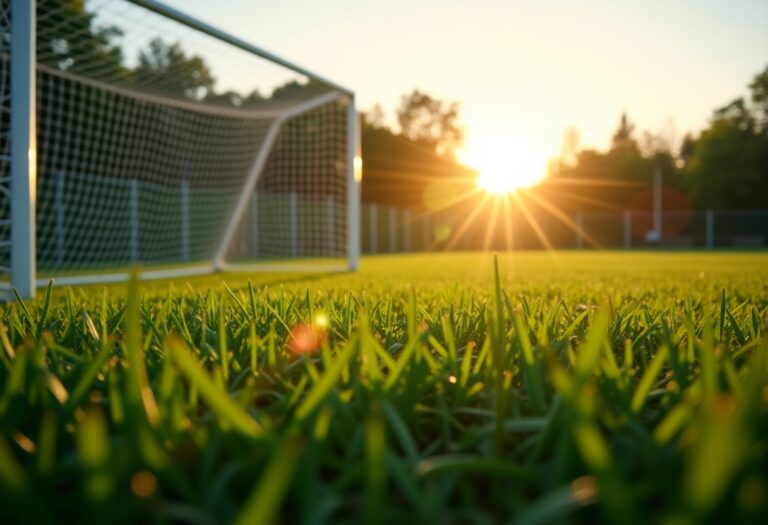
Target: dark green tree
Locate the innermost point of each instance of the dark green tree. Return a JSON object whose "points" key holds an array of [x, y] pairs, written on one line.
{"points": [[728, 167]]}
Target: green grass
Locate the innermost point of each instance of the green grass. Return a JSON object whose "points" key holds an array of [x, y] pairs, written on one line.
{"points": [[571, 387]]}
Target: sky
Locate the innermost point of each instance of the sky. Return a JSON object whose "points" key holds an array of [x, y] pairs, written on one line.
{"points": [[522, 71]]}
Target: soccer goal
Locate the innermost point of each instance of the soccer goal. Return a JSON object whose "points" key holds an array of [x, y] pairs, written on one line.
{"points": [[135, 135]]}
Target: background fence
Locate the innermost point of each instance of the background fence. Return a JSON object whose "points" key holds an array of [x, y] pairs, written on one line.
{"points": [[147, 222], [392, 230], [154, 223]]}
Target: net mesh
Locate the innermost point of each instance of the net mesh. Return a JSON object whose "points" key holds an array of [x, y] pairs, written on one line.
{"points": [[5, 145], [148, 131]]}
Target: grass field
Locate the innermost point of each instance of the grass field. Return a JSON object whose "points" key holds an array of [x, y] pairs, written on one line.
{"points": [[566, 388]]}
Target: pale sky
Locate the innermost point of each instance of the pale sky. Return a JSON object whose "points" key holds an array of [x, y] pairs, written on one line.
{"points": [[523, 71]]}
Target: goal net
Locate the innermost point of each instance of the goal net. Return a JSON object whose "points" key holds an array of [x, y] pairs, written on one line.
{"points": [[164, 143]]}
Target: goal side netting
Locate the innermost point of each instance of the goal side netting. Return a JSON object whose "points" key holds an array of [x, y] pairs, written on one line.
{"points": [[163, 146]]}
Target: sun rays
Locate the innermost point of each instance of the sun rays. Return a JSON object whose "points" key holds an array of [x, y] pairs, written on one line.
{"points": [[464, 214], [495, 220]]}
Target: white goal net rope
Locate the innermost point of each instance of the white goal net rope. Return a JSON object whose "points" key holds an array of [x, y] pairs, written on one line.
{"points": [[148, 134]]}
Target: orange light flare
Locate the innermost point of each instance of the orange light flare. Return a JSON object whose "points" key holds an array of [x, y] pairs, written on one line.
{"points": [[307, 338]]}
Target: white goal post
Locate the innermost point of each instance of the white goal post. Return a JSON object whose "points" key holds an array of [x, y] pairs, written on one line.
{"points": [[134, 135]]}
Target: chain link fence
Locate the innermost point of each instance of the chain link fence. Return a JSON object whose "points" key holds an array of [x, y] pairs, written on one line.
{"points": [[387, 229]]}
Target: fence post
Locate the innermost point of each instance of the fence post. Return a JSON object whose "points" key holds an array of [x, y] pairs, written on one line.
{"points": [[59, 207], [579, 231], [374, 228], [710, 227], [134, 220], [392, 228], [294, 212], [255, 225], [627, 229], [185, 220], [657, 211], [406, 230], [330, 216]]}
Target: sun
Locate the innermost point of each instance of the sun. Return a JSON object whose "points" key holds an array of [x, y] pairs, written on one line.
{"points": [[502, 170], [499, 181]]}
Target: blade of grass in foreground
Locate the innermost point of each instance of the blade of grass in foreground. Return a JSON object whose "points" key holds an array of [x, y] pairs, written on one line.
{"points": [[375, 448], [328, 381], [467, 463], [556, 506], [12, 475], [646, 382], [218, 400], [261, 507], [140, 391]]}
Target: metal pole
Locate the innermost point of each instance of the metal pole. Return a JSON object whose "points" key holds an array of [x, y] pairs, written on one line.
{"points": [[710, 227], [354, 178], [184, 220], [23, 133], [406, 230], [580, 231], [392, 227], [134, 220], [627, 229], [374, 228], [59, 225]]}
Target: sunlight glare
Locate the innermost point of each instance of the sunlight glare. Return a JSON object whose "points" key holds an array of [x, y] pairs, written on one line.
{"points": [[501, 169]]}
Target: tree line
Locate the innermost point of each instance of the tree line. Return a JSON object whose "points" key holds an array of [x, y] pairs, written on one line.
{"points": [[725, 166]]}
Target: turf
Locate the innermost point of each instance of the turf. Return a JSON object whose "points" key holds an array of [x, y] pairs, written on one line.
{"points": [[549, 388]]}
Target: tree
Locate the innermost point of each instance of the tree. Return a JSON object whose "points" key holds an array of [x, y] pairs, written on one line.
{"points": [[570, 147], [687, 147], [430, 122], [295, 90], [759, 89], [728, 164], [167, 68], [728, 167], [623, 139], [375, 117]]}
